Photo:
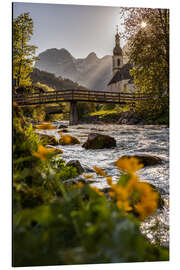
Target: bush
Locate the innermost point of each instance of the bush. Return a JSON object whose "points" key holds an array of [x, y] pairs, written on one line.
{"points": [[81, 227]]}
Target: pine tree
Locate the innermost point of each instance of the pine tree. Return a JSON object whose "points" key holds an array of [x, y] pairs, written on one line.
{"points": [[23, 53]]}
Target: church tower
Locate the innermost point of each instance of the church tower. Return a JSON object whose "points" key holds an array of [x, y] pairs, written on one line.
{"points": [[117, 54], [121, 79]]}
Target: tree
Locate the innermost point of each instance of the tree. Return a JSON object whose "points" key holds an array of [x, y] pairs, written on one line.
{"points": [[148, 52], [23, 53]]}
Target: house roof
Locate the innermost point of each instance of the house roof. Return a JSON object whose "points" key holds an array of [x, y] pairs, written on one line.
{"points": [[122, 74]]}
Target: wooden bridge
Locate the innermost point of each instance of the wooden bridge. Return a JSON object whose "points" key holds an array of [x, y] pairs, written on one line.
{"points": [[53, 110], [74, 96]]}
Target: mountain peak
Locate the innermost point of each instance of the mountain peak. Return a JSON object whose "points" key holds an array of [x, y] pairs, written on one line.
{"points": [[92, 55], [91, 71], [63, 50], [56, 53]]}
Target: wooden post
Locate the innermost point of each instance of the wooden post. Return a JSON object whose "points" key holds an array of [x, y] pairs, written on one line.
{"points": [[72, 97], [73, 113]]}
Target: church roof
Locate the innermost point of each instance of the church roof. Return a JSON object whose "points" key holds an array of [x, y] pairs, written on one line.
{"points": [[122, 74]]}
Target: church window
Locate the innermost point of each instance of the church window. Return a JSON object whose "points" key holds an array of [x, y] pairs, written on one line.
{"points": [[118, 62]]}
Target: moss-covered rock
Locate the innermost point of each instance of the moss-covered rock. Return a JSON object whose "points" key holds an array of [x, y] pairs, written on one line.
{"points": [[76, 164], [51, 140], [99, 141], [68, 139], [146, 160]]}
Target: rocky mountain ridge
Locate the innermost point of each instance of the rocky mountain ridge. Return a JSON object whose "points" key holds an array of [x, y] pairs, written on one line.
{"points": [[92, 72]]}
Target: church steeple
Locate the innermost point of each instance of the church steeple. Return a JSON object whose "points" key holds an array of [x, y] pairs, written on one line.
{"points": [[117, 53], [117, 49]]}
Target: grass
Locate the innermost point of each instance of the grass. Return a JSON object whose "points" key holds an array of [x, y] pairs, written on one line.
{"points": [[106, 111], [103, 112]]}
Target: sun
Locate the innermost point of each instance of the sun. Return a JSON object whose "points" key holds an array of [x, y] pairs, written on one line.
{"points": [[143, 24]]}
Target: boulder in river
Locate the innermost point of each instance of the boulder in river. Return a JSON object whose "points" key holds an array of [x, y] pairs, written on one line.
{"points": [[146, 160], [99, 141], [62, 126], [160, 199], [51, 140], [76, 164], [128, 117], [64, 130], [68, 139]]}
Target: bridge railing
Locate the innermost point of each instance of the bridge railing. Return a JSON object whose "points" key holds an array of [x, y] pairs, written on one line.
{"points": [[77, 95]]}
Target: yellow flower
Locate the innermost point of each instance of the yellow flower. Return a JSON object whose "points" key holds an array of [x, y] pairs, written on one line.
{"points": [[122, 196], [87, 176], [130, 165], [134, 194], [45, 125], [146, 209], [66, 139], [109, 180], [131, 183], [78, 185], [112, 194], [15, 104], [145, 191], [121, 193], [43, 152], [97, 190], [99, 171], [147, 201], [124, 205]]}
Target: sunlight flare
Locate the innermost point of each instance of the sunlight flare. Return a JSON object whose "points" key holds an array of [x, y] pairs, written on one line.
{"points": [[143, 24]]}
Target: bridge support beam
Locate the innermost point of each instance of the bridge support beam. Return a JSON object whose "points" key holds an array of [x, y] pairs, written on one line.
{"points": [[73, 113]]}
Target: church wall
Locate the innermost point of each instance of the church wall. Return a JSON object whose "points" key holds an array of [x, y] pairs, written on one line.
{"points": [[117, 63], [127, 87], [122, 86]]}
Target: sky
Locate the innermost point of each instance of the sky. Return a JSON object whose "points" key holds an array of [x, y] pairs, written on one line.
{"points": [[77, 28]]}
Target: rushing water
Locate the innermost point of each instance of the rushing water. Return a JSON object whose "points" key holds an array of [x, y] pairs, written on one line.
{"points": [[151, 140]]}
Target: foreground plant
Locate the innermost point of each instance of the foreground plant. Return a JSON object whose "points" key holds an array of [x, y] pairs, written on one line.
{"points": [[72, 224], [80, 227], [129, 193], [43, 152], [45, 125]]}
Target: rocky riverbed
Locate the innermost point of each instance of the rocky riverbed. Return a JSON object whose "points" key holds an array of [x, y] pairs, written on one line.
{"points": [[131, 140]]}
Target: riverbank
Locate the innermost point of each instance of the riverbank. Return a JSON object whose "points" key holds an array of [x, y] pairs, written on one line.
{"points": [[126, 117]]}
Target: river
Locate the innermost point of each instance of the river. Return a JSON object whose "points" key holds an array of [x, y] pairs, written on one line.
{"points": [[131, 139]]}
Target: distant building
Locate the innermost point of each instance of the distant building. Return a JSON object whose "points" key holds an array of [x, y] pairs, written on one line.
{"points": [[121, 80]]}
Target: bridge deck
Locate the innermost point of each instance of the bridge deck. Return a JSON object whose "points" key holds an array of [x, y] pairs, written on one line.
{"points": [[78, 96]]}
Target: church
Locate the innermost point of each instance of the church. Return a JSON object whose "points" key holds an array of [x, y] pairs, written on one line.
{"points": [[121, 80]]}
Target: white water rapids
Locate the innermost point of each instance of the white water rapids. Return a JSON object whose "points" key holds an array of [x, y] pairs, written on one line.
{"points": [[131, 139]]}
